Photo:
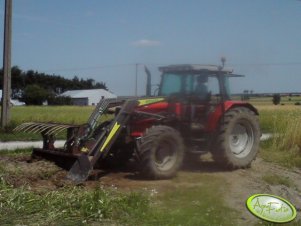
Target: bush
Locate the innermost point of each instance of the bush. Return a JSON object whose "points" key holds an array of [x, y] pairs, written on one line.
{"points": [[276, 99], [59, 100], [34, 95]]}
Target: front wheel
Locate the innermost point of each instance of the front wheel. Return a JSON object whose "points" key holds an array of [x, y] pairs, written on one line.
{"points": [[238, 138], [161, 152]]}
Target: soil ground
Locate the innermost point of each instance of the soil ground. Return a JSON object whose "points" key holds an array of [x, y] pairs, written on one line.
{"points": [[239, 184]]}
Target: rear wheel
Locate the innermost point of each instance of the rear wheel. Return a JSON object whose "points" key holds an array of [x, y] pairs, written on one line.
{"points": [[161, 152], [238, 138]]}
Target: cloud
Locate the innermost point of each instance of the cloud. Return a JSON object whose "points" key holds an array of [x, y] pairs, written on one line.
{"points": [[146, 43]]}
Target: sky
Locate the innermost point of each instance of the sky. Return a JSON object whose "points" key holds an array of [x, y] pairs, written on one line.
{"points": [[105, 39]]}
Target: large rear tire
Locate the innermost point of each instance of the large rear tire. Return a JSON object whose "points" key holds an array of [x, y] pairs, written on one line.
{"points": [[161, 152], [238, 139]]}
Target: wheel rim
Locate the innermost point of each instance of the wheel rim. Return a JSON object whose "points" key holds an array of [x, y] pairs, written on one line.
{"points": [[165, 155], [242, 139]]}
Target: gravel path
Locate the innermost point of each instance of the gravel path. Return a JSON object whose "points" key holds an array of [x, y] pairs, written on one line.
{"points": [[13, 145]]}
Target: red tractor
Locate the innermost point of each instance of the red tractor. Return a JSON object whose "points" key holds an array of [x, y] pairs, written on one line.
{"points": [[191, 115]]}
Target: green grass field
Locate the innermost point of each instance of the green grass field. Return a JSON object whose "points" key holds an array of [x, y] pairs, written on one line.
{"points": [[59, 114]]}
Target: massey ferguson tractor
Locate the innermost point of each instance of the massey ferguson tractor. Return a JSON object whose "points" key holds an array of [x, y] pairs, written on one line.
{"points": [[192, 115]]}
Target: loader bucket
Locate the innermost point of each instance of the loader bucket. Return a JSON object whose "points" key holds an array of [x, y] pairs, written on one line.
{"points": [[63, 160], [80, 170], [63, 157]]}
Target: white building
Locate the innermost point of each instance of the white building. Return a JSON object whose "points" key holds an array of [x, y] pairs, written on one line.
{"points": [[88, 96], [13, 102]]}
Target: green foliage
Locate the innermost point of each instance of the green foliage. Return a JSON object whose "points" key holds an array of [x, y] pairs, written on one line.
{"points": [[34, 95], [54, 83], [276, 99], [59, 100], [67, 206], [285, 145]]}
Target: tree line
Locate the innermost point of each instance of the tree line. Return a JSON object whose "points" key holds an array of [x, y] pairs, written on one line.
{"points": [[34, 87]]}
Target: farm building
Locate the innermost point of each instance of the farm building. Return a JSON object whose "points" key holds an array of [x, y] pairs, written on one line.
{"points": [[88, 96], [13, 102]]}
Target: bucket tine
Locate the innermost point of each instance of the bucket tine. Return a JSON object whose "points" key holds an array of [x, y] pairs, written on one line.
{"points": [[42, 129], [38, 129], [29, 127], [19, 127], [53, 128]]}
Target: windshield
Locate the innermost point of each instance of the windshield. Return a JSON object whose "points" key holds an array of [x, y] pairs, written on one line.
{"points": [[197, 84], [176, 84]]}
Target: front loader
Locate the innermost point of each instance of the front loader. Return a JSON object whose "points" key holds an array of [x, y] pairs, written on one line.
{"points": [[192, 114]]}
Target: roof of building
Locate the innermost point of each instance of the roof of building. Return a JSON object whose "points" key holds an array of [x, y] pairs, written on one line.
{"points": [[94, 95]]}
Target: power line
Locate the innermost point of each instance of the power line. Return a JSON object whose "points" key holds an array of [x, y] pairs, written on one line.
{"points": [[160, 64]]}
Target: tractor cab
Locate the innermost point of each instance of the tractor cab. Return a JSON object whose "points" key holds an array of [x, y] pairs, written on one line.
{"points": [[196, 90]]}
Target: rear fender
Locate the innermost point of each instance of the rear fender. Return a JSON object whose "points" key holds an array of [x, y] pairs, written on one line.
{"points": [[215, 116]]}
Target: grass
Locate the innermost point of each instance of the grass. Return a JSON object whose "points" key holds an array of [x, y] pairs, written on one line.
{"points": [[81, 206], [23, 203], [195, 205], [18, 152], [60, 114], [274, 179], [68, 206], [284, 122], [271, 115]]}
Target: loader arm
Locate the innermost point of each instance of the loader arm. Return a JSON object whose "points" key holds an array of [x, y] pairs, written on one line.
{"points": [[84, 164]]}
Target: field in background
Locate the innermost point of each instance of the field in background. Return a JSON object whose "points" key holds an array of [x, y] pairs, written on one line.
{"points": [[284, 122], [62, 114], [270, 115]]}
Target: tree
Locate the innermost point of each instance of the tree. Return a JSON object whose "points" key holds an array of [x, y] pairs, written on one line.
{"points": [[276, 98], [34, 95]]}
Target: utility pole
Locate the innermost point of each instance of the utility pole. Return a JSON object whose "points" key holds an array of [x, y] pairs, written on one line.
{"points": [[136, 81], [6, 91]]}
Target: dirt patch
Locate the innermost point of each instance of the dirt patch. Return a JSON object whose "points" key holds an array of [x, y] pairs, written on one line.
{"points": [[246, 182], [239, 184]]}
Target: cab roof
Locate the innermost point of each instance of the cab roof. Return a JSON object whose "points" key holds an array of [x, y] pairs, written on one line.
{"points": [[195, 69]]}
